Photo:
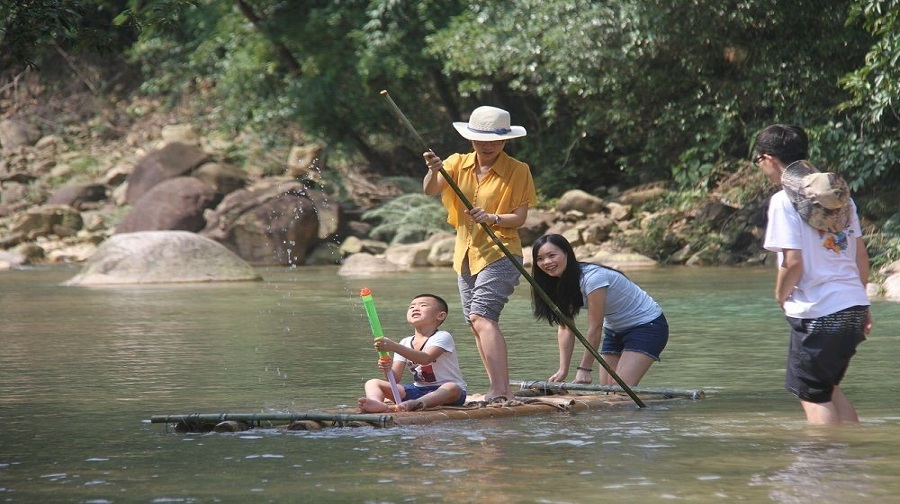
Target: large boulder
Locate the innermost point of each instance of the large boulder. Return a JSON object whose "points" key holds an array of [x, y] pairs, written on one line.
{"points": [[151, 257], [274, 222], [173, 160], [174, 204]]}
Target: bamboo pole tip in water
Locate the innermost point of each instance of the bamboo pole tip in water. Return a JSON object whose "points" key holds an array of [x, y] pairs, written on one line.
{"points": [[383, 92]]}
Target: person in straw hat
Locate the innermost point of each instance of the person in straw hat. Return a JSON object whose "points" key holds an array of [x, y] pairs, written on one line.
{"points": [[500, 189], [823, 268]]}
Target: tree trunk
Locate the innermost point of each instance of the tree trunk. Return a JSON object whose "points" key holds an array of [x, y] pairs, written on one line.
{"points": [[284, 54]]}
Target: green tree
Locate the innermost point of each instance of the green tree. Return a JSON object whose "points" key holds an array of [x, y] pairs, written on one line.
{"points": [[865, 143], [316, 64], [33, 31], [541, 61], [641, 88], [611, 92]]}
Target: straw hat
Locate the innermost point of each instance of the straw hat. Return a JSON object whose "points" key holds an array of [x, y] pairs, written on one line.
{"points": [[487, 124], [821, 199]]}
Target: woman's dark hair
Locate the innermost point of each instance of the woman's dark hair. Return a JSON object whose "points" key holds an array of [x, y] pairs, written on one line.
{"points": [[787, 142], [565, 291]]}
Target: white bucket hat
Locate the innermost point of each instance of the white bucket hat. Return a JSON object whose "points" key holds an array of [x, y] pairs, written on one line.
{"points": [[821, 199], [487, 124]]}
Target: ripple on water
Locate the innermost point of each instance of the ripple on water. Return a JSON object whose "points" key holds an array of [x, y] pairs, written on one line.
{"points": [[570, 442]]}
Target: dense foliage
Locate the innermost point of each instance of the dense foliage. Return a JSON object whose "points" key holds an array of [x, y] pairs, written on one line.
{"points": [[611, 92], [410, 218]]}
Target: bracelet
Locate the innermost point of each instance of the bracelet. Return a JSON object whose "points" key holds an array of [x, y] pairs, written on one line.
{"points": [[589, 370]]}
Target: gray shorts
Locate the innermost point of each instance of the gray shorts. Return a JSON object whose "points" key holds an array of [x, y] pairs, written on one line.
{"points": [[487, 292]]}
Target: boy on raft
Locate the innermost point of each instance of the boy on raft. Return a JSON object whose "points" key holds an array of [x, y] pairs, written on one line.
{"points": [[430, 355]]}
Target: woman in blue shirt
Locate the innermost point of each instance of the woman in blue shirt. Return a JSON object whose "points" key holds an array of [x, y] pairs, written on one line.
{"points": [[635, 329]]}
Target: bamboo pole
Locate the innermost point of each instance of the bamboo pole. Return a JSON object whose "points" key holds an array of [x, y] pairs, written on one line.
{"points": [[537, 288], [255, 418], [589, 387]]}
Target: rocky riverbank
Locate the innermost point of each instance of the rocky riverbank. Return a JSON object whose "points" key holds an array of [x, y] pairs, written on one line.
{"points": [[52, 212], [61, 196]]}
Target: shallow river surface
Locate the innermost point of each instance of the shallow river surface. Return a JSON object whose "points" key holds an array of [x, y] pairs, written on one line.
{"points": [[83, 369]]}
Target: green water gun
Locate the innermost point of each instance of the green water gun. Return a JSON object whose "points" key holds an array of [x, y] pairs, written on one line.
{"points": [[378, 332]]}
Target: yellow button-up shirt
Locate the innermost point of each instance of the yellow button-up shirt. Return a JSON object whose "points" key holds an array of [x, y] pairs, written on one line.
{"points": [[506, 187]]}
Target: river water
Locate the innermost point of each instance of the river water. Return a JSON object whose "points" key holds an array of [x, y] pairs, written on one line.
{"points": [[82, 369]]}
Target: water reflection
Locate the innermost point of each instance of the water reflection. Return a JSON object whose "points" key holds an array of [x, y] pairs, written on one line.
{"points": [[80, 369], [819, 471]]}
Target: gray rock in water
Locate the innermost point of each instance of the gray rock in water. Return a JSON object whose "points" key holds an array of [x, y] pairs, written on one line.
{"points": [[162, 257], [363, 264]]}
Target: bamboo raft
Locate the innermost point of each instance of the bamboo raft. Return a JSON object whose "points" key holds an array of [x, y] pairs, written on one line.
{"points": [[533, 398]]}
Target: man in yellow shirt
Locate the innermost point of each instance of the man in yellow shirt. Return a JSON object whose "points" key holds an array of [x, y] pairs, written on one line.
{"points": [[500, 189]]}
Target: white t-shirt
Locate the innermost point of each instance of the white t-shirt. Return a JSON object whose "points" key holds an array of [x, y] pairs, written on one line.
{"points": [[443, 370], [627, 305], [830, 280]]}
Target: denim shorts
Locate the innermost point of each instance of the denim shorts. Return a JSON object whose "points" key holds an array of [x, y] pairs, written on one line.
{"points": [[649, 339], [414, 392], [487, 292], [820, 352]]}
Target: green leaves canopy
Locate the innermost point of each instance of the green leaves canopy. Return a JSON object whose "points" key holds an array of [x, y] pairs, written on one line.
{"points": [[610, 92]]}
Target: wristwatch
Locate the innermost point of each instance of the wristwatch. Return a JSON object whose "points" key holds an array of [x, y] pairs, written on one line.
{"points": [[496, 219]]}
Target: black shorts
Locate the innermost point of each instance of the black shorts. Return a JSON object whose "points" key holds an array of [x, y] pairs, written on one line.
{"points": [[820, 352]]}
